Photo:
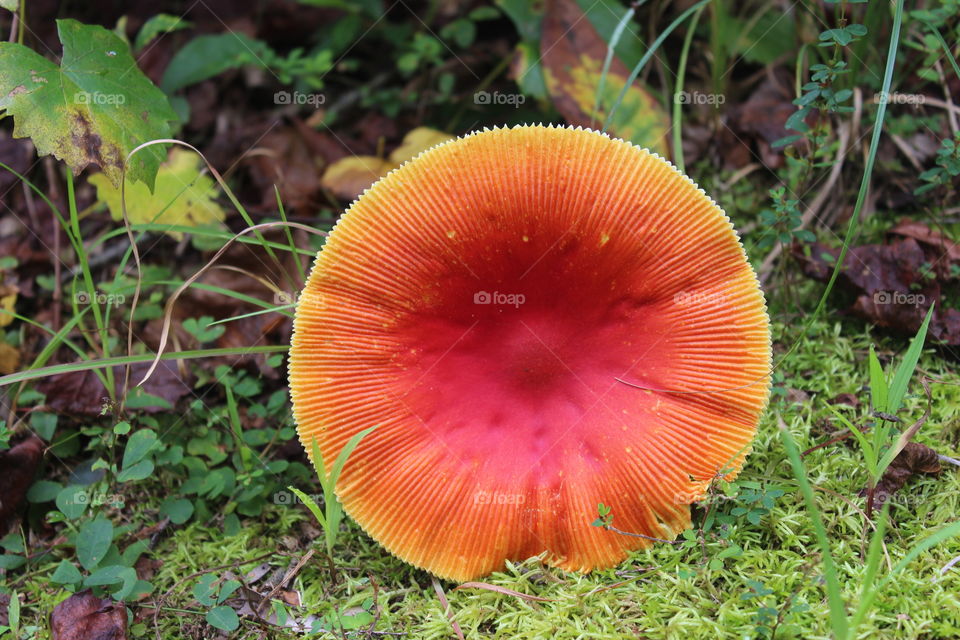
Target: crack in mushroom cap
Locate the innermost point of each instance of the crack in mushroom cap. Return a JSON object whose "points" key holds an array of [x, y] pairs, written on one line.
{"points": [[478, 305]]}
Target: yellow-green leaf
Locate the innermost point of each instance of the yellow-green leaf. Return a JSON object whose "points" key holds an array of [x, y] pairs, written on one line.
{"points": [[182, 195], [573, 55]]}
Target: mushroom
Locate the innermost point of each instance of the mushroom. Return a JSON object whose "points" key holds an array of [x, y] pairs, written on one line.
{"points": [[537, 320]]}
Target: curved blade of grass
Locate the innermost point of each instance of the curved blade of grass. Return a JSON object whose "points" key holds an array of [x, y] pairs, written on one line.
{"points": [[874, 555], [205, 232], [281, 309], [945, 47], [168, 312], [677, 104], [941, 535], [614, 39], [292, 248], [90, 365], [869, 451], [646, 58], [98, 314], [311, 505], [838, 613]]}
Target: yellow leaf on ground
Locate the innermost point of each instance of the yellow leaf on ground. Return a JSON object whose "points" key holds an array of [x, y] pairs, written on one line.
{"points": [[348, 177], [416, 142], [182, 196], [9, 359], [8, 299]]}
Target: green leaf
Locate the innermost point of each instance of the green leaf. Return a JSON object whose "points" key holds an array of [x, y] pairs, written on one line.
{"points": [[72, 501], [44, 491], [138, 445], [160, 24], [10, 5], [181, 197], [13, 614], [878, 383], [901, 379], [227, 589], [94, 108], [66, 573], [178, 510], [93, 542], [311, 505], [209, 55], [204, 590], [137, 471], [113, 574], [223, 618]]}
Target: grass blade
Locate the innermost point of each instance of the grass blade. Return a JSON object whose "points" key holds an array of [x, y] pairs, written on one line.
{"points": [[677, 103], [614, 39], [90, 365], [646, 58], [878, 383], [311, 505], [838, 613]]}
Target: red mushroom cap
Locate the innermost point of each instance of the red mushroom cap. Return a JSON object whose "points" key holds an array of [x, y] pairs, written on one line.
{"points": [[517, 310]]}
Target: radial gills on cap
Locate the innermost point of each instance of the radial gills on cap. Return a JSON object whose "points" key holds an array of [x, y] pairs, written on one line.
{"points": [[537, 320]]}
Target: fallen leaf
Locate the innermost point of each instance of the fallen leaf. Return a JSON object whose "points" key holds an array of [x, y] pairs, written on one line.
{"points": [[84, 616], [9, 358], [573, 57], [18, 464], [81, 392], [754, 125], [8, 300], [849, 399], [416, 142], [348, 177], [182, 196], [929, 237], [892, 285], [915, 458]]}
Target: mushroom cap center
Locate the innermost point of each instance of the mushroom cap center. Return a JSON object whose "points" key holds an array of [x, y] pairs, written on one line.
{"points": [[516, 359]]}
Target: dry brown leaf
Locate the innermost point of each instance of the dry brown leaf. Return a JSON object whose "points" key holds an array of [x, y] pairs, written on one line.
{"points": [[84, 616], [18, 464], [915, 458]]}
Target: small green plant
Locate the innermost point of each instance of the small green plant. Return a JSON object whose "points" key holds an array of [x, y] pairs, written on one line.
{"points": [[330, 517], [886, 398], [947, 169], [782, 223], [768, 619]]}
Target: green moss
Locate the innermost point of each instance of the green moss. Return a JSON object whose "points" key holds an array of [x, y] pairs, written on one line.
{"points": [[664, 592]]}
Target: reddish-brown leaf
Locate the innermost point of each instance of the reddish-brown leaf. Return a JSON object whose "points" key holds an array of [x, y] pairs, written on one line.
{"points": [[18, 464], [573, 55], [84, 616], [915, 458]]}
